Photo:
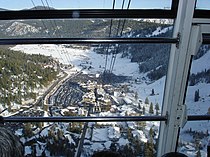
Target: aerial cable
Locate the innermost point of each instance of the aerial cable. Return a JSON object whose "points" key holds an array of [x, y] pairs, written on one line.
{"points": [[51, 2], [56, 47], [46, 29], [55, 26], [123, 4], [129, 3], [118, 28], [117, 32], [107, 50], [48, 9], [41, 20], [113, 4], [117, 49], [47, 4], [33, 4], [110, 30], [59, 33], [63, 48]]}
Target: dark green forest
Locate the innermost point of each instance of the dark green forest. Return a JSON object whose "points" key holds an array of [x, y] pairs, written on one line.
{"points": [[21, 73]]}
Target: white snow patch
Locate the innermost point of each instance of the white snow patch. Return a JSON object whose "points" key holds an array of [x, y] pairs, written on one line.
{"points": [[100, 135], [107, 144], [201, 64], [18, 28], [123, 142], [97, 146], [159, 30], [140, 134], [28, 150]]}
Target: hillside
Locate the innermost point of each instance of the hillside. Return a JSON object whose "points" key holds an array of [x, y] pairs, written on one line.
{"points": [[21, 74]]}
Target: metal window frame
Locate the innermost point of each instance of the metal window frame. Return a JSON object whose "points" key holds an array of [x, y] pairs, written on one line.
{"points": [[176, 80], [99, 13], [91, 13], [87, 14], [14, 41], [191, 37], [64, 119], [155, 40], [173, 115]]}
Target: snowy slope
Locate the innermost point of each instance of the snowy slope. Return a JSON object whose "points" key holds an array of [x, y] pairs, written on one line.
{"points": [[79, 57], [18, 28], [200, 107], [201, 64], [197, 108], [159, 31]]}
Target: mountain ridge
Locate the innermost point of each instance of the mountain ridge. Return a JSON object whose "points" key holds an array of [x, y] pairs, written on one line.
{"points": [[152, 58]]}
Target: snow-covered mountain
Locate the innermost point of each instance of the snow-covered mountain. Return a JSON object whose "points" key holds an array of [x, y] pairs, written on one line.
{"points": [[19, 29], [2, 9], [201, 64]]}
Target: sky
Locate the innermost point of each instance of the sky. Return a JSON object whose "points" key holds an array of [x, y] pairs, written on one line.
{"points": [[83, 4], [94, 4]]}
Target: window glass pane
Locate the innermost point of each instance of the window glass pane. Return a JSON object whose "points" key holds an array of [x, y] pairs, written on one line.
{"points": [[84, 4], [203, 4], [194, 136], [71, 139], [103, 80], [89, 28], [198, 89]]}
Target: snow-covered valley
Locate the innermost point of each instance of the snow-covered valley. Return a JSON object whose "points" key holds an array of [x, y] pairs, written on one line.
{"points": [[101, 135]]}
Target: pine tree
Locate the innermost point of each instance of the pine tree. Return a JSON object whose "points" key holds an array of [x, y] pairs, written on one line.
{"points": [[129, 133], [157, 108], [60, 134], [146, 100], [143, 110], [137, 145], [136, 96], [139, 105], [28, 130], [196, 96], [207, 132], [153, 92], [151, 133], [149, 148], [151, 110], [197, 146]]}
